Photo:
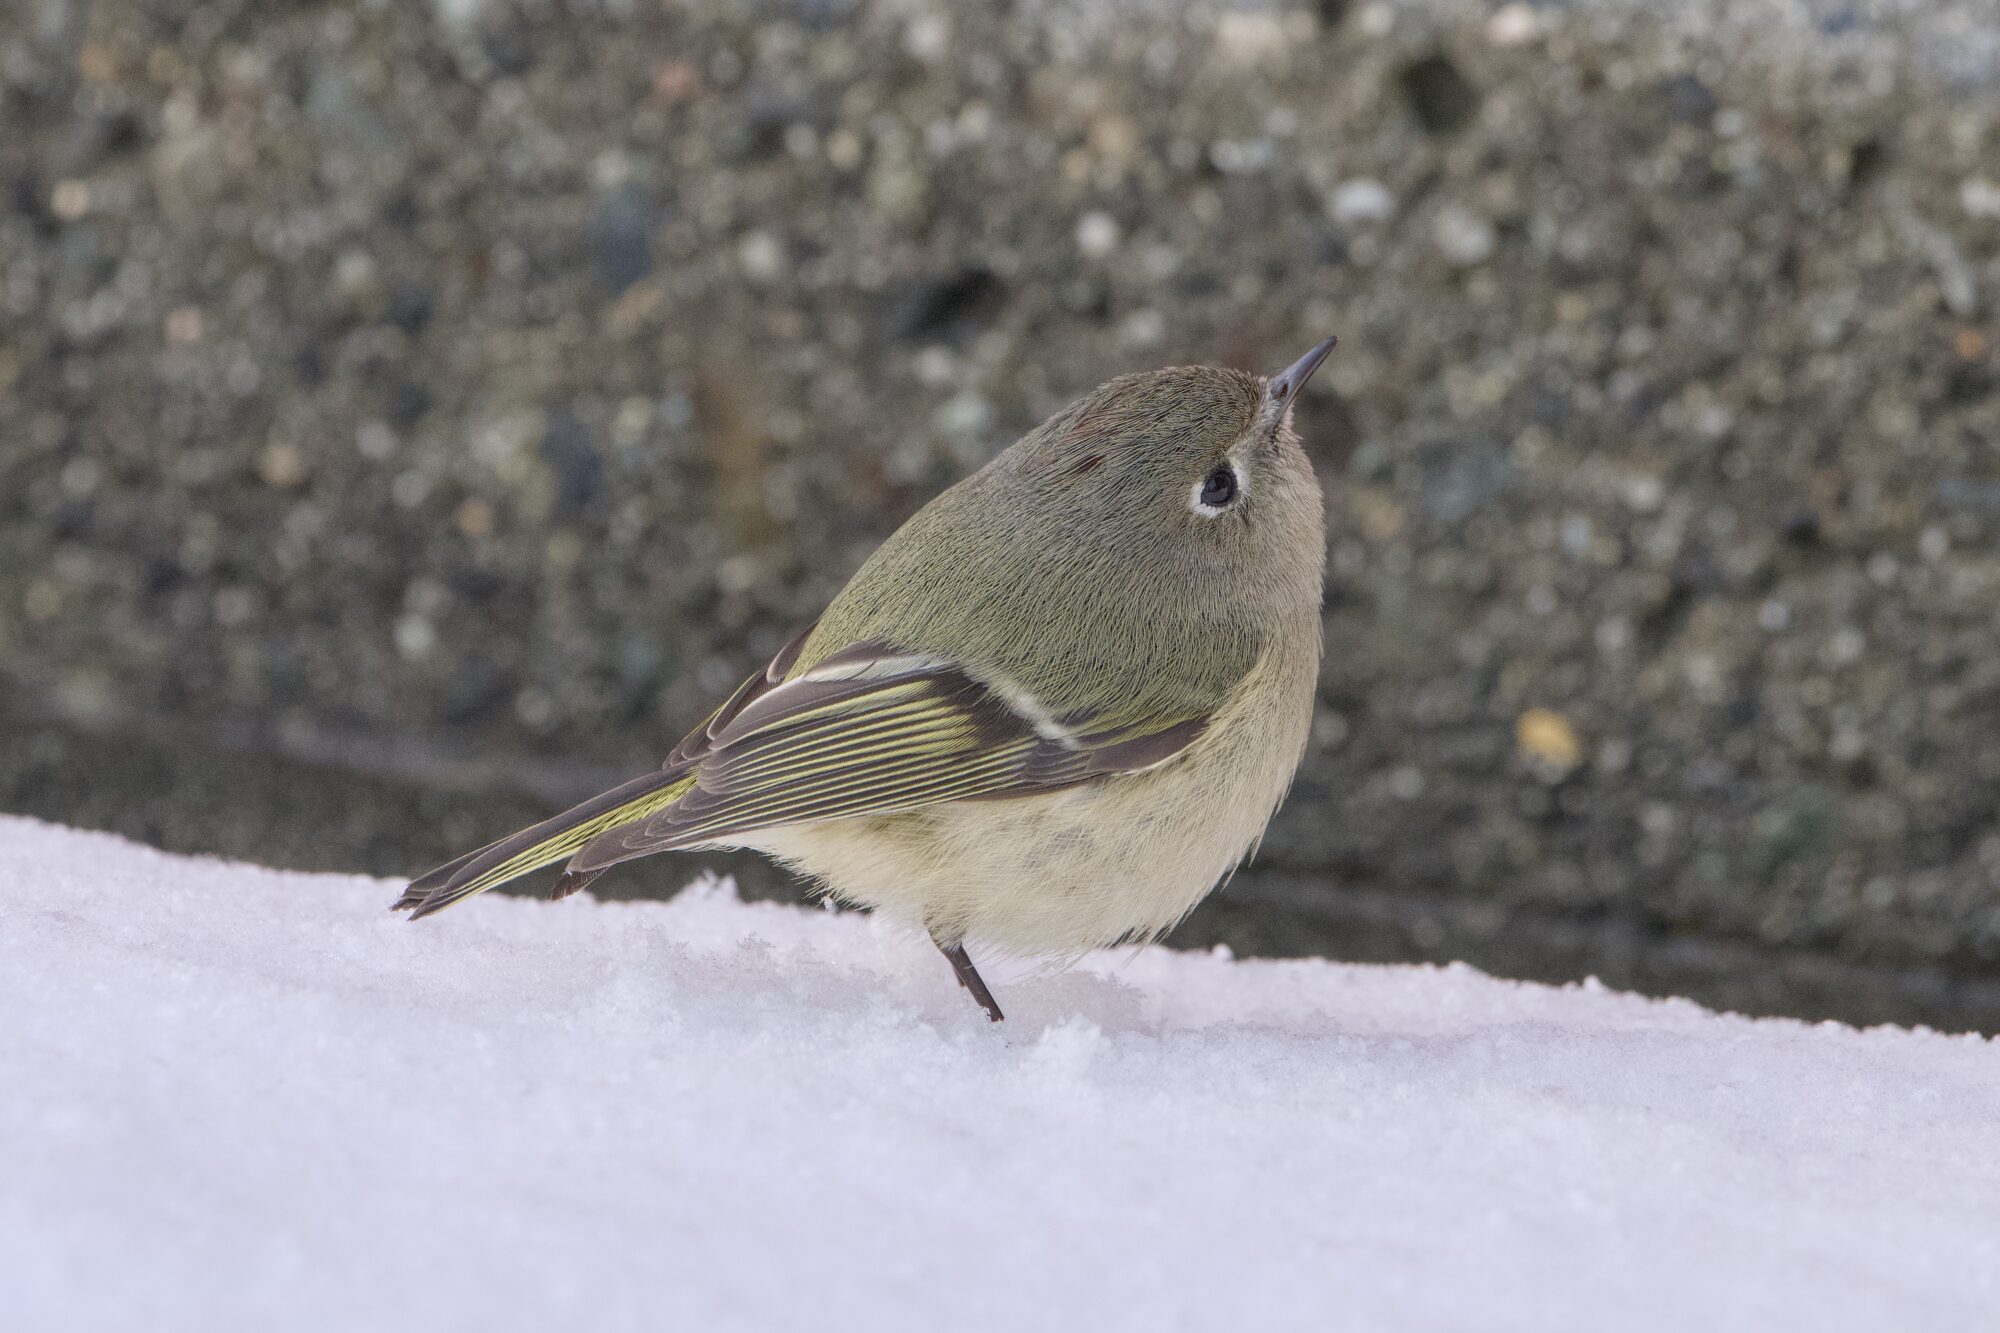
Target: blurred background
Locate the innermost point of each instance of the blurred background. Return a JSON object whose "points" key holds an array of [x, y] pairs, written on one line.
{"points": [[415, 415]]}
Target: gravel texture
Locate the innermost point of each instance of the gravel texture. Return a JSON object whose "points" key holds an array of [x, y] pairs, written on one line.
{"points": [[411, 414]]}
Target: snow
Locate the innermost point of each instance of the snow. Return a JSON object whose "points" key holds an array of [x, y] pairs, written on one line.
{"points": [[239, 1098]]}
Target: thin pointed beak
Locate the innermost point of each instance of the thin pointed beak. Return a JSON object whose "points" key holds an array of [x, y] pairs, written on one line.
{"points": [[1285, 385]]}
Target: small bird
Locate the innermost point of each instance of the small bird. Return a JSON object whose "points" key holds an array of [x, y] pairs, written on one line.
{"points": [[1049, 714]]}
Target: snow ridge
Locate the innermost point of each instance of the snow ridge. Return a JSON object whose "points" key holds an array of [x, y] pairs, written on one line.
{"points": [[233, 1097]]}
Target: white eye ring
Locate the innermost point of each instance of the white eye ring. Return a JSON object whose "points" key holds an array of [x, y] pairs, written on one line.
{"points": [[1217, 492]]}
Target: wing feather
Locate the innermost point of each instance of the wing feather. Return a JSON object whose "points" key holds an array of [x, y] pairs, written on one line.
{"points": [[871, 731]]}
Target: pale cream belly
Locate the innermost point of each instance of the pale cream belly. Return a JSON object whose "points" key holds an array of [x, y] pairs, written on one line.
{"points": [[1073, 870]]}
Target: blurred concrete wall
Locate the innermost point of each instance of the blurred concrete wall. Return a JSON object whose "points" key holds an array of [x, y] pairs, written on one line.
{"points": [[413, 415]]}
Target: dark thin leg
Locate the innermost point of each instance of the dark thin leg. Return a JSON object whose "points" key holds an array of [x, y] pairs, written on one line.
{"points": [[968, 977]]}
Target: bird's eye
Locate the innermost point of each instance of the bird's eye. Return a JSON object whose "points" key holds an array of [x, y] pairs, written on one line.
{"points": [[1219, 489]]}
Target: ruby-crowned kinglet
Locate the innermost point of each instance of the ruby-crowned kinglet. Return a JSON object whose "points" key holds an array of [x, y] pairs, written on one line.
{"points": [[1050, 713]]}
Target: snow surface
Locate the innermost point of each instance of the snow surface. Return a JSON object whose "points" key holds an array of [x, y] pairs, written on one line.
{"points": [[234, 1098]]}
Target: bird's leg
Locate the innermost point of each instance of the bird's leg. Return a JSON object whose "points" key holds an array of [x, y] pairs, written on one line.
{"points": [[968, 977]]}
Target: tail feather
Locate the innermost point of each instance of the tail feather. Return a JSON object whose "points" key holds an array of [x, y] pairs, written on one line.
{"points": [[573, 881], [547, 842], [430, 879]]}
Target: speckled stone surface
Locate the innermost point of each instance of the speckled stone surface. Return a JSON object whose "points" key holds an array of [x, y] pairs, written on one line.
{"points": [[412, 414]]}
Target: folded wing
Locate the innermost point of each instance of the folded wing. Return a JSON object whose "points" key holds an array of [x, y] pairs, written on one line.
{"points": [[867, 731], [872, 731]]}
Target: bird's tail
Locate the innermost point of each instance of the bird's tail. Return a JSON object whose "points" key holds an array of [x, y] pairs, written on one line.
{"points": [[545, 843]]}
